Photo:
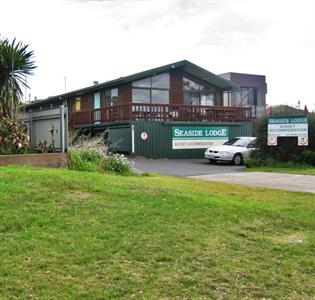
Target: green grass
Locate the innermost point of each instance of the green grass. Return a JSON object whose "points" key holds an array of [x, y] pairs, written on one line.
{"points": [[285, 168], [76, 235]]}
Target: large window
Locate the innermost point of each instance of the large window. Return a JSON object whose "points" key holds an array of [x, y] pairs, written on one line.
{"points": [[111, 96], [197, 94], [244, 97], [155, 89]]}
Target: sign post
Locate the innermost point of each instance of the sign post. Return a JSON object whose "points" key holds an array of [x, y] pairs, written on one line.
{"points": [[287, 126]]}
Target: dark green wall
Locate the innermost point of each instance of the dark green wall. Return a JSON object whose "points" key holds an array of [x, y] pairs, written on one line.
{"points": [[159, 142]]}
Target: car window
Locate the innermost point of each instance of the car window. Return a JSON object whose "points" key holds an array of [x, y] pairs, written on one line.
{"points": [[231, 141], [240, 142], [251, 144]]}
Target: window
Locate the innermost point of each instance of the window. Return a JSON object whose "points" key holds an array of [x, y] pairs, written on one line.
{"points": [[97, 100], [140, 96], [145, 83], [160, 96], [111, 96], [244, 97], [77, 104], [161, 81], [114, 93], [153, 89], [198, 94], [207, 99]]}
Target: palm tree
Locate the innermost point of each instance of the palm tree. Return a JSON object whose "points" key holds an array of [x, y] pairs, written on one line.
{"points": [[16, 62]]}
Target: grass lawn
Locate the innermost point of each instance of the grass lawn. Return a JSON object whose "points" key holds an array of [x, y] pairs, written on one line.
{"points": [[76, 235]]}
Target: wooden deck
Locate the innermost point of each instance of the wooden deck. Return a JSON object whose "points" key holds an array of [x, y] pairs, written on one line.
{"points": [[161, 112]]}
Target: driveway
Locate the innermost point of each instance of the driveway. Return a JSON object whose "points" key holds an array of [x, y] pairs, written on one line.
{"points": [[201, 169], [183, 167], [281, 181]]}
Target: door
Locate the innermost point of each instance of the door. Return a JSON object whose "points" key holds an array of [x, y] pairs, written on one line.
{"points": [[119, 139]]}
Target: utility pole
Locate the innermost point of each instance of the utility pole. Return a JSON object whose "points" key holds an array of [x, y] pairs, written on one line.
{"points": [[65, 84]]}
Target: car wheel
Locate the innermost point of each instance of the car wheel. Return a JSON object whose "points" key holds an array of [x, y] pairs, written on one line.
{"points": [[212, 161], [237, 159]]}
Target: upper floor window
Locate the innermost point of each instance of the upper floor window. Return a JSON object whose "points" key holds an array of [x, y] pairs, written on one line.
{"points": [[244, 97], [160, 81], [77, 104], [197, 93], [111, 96], [154, 89]]}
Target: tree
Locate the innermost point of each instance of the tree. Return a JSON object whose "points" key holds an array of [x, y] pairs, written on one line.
{"points": [[16, 62]]}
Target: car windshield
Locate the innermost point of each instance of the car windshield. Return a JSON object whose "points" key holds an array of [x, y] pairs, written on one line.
{"points": [[237, 142]]}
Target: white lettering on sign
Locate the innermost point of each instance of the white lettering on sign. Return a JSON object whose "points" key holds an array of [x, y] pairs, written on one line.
{"points": [[187, 133], [196, 144]]}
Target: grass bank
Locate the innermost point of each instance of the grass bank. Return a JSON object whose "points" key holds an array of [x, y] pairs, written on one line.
{"points": [[76, 235]]}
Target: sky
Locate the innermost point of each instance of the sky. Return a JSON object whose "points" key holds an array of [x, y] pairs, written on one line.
{"points": [[99, 40]]}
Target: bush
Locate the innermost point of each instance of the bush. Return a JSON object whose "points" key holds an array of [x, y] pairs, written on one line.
{"points": [[13, 136], [117, 163], [85, 160], [85, 141], [93, 161], [306, 156]]}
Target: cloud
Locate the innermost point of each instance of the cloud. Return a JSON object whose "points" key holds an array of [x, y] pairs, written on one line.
{"points": [[231, 29], [88, 40]]}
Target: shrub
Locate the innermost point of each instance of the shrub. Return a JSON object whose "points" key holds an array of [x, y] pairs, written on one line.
{"points": [[306, 156], [13, 136], [81, 141], [85, 160], [93, 161], [117, 163]]}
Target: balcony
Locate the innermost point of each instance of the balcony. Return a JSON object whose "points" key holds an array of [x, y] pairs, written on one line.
{"points": [[160, 112]]}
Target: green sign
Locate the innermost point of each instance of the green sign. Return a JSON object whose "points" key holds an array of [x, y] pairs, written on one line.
{"points": [[288, 126], [184, 137]]}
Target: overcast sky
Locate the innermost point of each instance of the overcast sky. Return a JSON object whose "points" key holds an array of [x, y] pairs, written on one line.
{"points": [[87, 40]]}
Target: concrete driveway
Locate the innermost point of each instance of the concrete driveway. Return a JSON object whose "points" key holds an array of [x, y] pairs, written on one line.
{"points": [[281, 181], [201, 169], [183, 167]]}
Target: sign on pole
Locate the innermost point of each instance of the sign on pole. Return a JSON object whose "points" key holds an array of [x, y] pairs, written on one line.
{"points": [[198, 137], [287, 126]]}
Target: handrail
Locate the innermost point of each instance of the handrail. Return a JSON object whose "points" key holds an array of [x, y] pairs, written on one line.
{"points": [[161, 112]]}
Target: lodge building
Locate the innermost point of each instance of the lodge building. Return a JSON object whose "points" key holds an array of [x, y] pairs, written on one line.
{"points": [[141, 111]]}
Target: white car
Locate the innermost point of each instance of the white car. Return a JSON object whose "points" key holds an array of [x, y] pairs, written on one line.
{"points": [[235, 150]]}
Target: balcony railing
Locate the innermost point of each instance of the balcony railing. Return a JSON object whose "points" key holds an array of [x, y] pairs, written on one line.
{"points": [[161, 112]]}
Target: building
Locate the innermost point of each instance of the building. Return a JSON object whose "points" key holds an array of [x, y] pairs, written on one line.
{"points": [[141, 112], [252, 92]]}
